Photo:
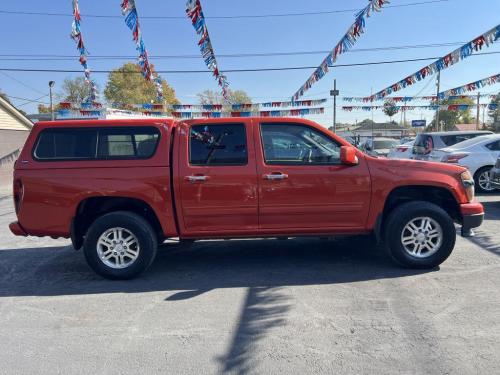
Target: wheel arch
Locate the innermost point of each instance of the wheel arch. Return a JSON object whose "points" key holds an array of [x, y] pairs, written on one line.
{"points": [[90, 208], [437, 195]]}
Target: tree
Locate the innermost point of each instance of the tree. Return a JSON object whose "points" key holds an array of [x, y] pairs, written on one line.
{"points": [[212, 97], [495, 114], [390, 109], [74, 90], [127, 86], [5, 97], [451, 118]]}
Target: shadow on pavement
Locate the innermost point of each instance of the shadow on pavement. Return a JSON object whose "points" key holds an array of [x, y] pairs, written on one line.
{"points": [[264, 267], [205, 266]]}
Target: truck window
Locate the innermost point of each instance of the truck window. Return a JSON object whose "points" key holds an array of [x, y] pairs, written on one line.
{"points": [[128, 143], [297, 144], [63, 144], [218, 144], [96, 143]]}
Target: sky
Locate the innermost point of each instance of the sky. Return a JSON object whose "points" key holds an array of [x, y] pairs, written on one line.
{"points": [[452, 21]]}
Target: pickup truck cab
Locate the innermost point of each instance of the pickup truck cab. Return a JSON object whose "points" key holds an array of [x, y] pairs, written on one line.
{"points": [[118, 188]]}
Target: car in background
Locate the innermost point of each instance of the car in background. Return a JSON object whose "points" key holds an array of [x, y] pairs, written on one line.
{"points": [[426, 142], [378, 146], [495, 175], [406, 140], [478, 155], [402, 151]]}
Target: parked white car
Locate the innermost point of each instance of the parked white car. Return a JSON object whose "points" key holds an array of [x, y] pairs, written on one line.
{"points": [[478, 155], [402, 151]]}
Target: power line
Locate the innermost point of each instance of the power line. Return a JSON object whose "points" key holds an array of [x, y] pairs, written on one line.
{"points": [[53, 57], [239, 70], [37, 100], [28, 101], [21, 83], [314, 13]]}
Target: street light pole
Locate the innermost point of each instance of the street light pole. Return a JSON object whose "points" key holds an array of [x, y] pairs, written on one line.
{"points": [[51, 84], [334, 93]]}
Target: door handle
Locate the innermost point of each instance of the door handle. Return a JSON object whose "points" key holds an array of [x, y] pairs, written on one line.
{"points": [[196, 178], [275, 176]]}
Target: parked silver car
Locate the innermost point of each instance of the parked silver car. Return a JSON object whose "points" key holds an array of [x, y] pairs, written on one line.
{"points": [[426, 142], [495, 175], [378, 146]]}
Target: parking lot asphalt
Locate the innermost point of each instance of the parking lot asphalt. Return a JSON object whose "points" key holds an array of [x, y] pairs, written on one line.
{"points": [[299, 306]]}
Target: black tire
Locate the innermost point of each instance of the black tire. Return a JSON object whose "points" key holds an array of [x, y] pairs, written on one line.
{"points": [[478, 187], [401, 216], [135, 224]]}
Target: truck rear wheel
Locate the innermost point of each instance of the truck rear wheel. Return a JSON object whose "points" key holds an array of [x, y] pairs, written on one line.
{"points": [[120, 245], [419, 234]]}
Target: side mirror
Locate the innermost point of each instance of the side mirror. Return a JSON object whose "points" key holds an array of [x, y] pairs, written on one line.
{"points": [[348, 155]]}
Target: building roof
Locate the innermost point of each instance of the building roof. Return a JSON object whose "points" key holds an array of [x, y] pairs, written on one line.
{"points": [[465, 127], [380, 126], [11, 118]]}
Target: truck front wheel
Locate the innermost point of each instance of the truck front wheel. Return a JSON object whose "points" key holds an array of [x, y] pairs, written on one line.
{"points": [[419, 234], [120, 245]]}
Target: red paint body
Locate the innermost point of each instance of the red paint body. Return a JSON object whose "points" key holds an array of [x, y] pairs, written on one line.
{"points": [[233, 201]]}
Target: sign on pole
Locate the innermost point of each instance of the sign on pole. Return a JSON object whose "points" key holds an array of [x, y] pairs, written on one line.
{"points": [[418, 123]]}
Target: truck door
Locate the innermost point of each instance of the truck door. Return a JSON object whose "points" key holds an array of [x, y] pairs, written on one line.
{"points": [[216, 178], [302, 183]]}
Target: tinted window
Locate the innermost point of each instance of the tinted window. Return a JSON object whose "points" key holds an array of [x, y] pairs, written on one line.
{"points": [[423, 144], [66, 144], [96, 143], [384, 144], [494, 146], [297, 144], [115, 143], [218, 144]]}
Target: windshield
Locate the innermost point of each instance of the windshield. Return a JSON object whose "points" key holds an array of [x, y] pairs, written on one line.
{"points": [[471, 142], [386, 143]]}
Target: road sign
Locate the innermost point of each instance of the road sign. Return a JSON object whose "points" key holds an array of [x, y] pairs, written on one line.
{"points": [[418, 123]]}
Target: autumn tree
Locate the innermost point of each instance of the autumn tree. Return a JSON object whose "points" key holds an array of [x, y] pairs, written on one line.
{"points": [[127, 86]]}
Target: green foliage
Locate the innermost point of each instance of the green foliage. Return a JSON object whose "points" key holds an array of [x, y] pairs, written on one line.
{"points": [[212, 97], [126, 86], [390, 109], [451, 118], [495, 114]]}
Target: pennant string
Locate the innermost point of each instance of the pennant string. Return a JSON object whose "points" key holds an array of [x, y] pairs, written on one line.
{"points": [[484, 40], [129, 10], [76, 35], [345, 43], [195, 13]]}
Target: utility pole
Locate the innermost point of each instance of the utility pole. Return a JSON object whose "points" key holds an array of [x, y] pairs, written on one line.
{"points": [[438, 83], [477, 115], [371, 103], [51, 84], [334, 93]]}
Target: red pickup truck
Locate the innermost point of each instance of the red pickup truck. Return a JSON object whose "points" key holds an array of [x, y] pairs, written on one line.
{"points": [[117, 188]]}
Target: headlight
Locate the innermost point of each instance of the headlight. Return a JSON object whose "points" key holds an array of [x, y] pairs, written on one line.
{"points": [[468, 183]]}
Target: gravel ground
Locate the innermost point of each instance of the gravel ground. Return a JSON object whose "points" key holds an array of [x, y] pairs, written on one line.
{"points": [[266, 307]]}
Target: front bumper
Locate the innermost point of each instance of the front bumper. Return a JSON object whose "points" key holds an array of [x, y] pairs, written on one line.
{"points": [[472, 217], [17, 229]]}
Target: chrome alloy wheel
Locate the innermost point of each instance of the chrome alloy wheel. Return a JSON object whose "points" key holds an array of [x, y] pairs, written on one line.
{"points": [[118, 248], [484, 181], [422, 237]]}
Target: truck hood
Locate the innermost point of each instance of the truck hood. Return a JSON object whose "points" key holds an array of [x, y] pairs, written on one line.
{"points": [[407, 168]]}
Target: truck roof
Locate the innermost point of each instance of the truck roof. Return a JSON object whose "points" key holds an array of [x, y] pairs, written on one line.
{"points": [[170, 121]]}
